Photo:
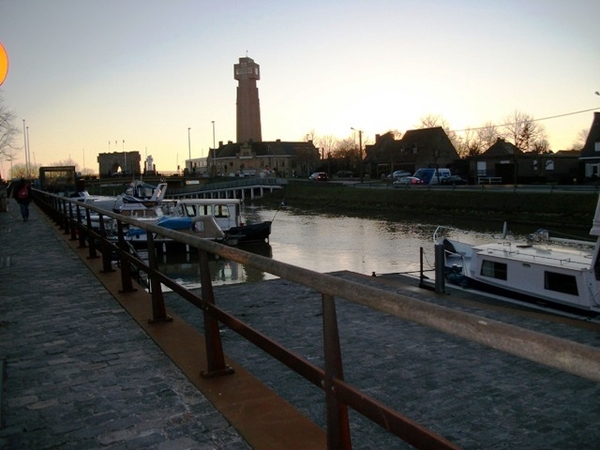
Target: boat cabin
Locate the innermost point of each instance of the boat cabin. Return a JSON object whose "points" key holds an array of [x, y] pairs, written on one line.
{"points": [[227, 212]]}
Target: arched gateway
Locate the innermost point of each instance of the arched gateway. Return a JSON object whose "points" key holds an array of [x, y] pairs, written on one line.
{"points": [[124, 162]]}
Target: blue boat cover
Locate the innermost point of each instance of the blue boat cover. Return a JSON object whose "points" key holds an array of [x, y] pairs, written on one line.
{"points": [[176, 223]]}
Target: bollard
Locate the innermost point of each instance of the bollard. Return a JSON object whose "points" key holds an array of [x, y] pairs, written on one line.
{"points": [[440, 276]]}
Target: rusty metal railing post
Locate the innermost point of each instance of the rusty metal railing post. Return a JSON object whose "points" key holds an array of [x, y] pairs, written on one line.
{"points": [[126, 283], [214, 347], [92, 246], [159, 312], [338, 426], [80, 228], [64, 217], [106, 266], [71, 223]]}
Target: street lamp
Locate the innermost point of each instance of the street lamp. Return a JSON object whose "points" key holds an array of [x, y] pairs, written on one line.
{"points": [[214, 150], [189, 150], [360, 152]]}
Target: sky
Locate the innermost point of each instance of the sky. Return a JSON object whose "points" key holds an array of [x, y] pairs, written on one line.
{"points": [[94, 77]]}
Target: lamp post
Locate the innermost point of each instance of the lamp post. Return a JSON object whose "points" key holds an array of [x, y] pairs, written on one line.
{"points": [[359, 152], [189, 150], [26, 148], [214, 145]]}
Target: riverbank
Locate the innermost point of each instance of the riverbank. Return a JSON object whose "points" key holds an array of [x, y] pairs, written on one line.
{"points": [[565, 209]]}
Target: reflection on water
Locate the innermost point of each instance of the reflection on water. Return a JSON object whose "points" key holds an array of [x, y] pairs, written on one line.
{"points": [[326, 243], [182, 266]]}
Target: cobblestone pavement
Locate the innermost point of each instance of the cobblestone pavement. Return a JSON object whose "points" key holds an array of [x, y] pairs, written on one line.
{"points": [[476, 397], [79, 372]]}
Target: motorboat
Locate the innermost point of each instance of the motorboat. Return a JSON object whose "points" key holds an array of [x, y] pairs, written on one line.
{"points": [[551, 272], [204, 227], [227, 213], [137, 193]]}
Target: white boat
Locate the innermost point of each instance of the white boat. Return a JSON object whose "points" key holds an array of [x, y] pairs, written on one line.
{"points": [[227, 213], [558, 273]]}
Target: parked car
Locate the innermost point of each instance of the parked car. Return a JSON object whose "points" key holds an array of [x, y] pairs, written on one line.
{"points": [[453, 179], [407, 181], [399, 174], [344, 174], [319, 176], [431, 175]]}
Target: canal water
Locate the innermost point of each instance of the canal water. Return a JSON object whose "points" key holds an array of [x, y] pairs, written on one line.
{"points": [[330, 243]]}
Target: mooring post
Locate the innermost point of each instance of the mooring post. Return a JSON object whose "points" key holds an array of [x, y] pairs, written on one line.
{"points": [[440, 276]]}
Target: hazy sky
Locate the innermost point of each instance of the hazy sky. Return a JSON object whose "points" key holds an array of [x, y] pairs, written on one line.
{"points": [[86, 73]]}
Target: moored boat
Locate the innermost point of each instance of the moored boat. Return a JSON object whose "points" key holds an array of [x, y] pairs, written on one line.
{"points": [[559, 273], [227, 213]]}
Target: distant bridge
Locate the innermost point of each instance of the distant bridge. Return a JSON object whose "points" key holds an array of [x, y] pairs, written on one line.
{"points": [[241, 188]]}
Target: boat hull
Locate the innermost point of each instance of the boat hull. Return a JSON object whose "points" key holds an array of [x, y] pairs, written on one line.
{"points": [[256, 232]]}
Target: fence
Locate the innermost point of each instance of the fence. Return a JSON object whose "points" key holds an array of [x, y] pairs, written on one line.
{"points": [[75, 218]]}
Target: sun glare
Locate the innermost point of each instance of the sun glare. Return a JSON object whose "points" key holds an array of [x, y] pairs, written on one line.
{"points": [[3, 63]]}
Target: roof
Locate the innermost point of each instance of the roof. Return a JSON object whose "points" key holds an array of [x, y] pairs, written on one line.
{"points": [[589, 149], [502, 148], [423, 139], [267, 148]]}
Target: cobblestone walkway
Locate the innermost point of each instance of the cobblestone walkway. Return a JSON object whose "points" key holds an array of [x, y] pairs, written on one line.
{"points": [[79, 372]]}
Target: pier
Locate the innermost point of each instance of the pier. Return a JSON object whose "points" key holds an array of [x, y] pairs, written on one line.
{"points": [[84, 367]]}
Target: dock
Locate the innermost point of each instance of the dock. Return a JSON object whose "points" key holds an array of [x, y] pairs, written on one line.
{"points": [[84, 369]]}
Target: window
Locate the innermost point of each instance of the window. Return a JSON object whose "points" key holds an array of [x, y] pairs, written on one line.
{"points": [[221, 211], [560, 282], [481, 168], [494, 270]]}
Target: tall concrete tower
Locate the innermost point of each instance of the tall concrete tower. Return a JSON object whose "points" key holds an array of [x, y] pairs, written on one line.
{"points": [[248, 107]]}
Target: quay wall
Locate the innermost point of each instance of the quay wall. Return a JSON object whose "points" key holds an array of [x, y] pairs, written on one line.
{"points": [[572, 209]]}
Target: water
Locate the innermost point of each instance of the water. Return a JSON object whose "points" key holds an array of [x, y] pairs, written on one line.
{"points": [[329, 243]]}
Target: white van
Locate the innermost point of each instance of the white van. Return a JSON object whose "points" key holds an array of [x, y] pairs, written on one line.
{"points": [[431, 175]]}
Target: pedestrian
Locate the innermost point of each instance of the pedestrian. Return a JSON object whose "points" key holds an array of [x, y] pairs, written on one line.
{"points": [[22, 194]]}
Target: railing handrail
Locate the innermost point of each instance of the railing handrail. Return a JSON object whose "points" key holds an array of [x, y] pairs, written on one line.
{"points": [[562, 354]]}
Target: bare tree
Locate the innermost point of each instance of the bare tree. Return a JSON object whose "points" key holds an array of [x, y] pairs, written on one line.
{"points": [[581, 138], [8, 132], [541, 146], [326, 144], [20, 170], [470, 144], [396, 133], [432, 121], [487, 135], [524, 131]]}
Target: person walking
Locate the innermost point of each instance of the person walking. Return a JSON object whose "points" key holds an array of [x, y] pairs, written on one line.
{"points": [[22, 194]]}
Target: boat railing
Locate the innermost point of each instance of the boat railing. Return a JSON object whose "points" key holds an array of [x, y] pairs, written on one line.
{"points": [[537, 257], [74, 219]]}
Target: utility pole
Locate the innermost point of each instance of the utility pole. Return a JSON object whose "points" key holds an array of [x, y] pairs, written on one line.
{"points": [[360, 168]]}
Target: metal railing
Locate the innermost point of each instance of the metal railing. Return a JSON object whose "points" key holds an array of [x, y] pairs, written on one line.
{"points": [[75, 218]]}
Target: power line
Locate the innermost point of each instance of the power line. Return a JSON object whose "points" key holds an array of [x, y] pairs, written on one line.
{"points": [[533, 120]]}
